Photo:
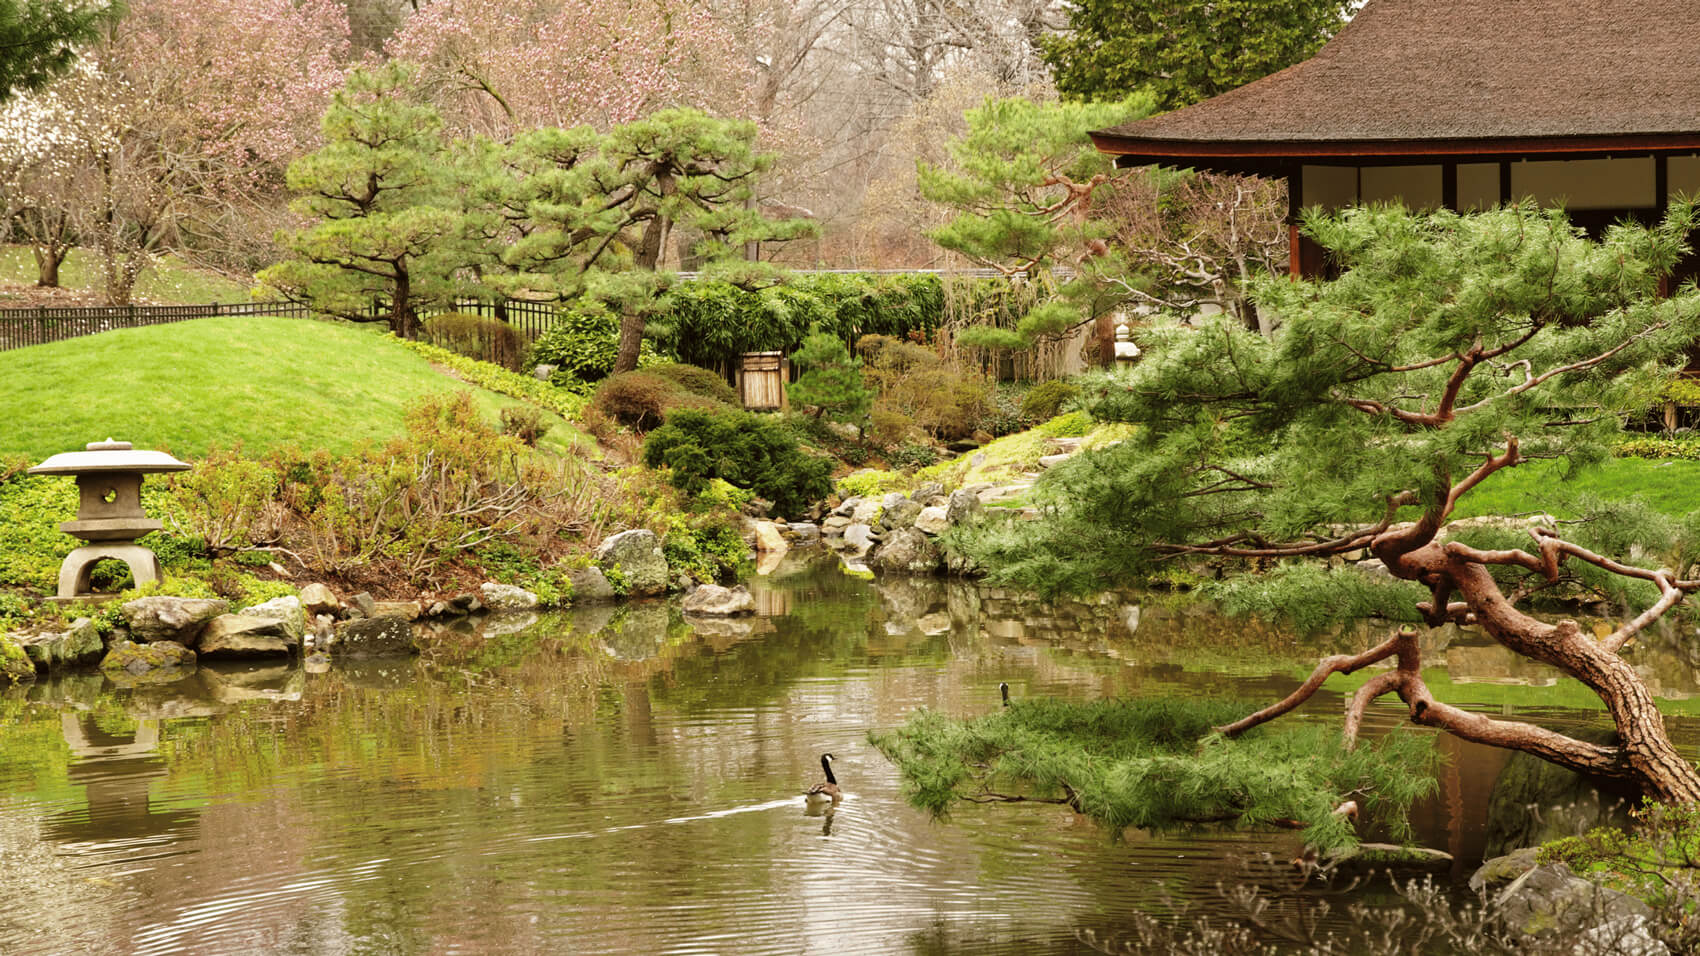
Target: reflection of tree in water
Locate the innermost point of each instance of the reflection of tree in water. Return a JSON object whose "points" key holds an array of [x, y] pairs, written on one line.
{"points": [[116, 771]]}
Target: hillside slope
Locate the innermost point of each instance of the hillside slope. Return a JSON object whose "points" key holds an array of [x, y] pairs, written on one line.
{"points": [[261, 382]]}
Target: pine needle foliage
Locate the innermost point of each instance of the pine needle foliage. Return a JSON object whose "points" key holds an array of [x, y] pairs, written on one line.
{"points": [[1258, 443], [1158, 764]]}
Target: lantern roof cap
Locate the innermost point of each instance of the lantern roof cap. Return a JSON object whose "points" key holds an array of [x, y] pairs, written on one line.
{"points": [[108, 456]]}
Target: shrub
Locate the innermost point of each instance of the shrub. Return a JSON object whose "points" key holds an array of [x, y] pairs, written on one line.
{"points": [[524, 422], [582, 344], [226, 502], [642, 399], [944, 399], [910, 457], [476, 337], [451, 484], [712, 323], [709, 548], [697, 381], [745, 450], [1047, 399]]}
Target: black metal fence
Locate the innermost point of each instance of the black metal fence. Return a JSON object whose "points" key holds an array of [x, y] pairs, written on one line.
{"points": [[44, 324]]}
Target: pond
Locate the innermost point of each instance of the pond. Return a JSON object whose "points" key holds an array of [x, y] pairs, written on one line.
{"points": [[622, 780]]}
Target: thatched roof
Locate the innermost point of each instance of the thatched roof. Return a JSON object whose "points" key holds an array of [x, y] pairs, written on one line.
{"points": [[1457, 76]]}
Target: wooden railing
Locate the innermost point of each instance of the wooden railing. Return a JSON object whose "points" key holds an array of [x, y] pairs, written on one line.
{"points": [[44, 324]]}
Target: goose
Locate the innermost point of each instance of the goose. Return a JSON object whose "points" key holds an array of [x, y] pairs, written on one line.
{"points": [[1003, 688], [828, 791]]}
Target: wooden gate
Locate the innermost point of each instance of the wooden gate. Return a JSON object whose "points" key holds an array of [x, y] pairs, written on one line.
{"points": [[761, 381]]}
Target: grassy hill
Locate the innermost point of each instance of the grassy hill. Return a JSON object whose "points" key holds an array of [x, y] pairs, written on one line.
{"points": [[170, 281], [213, 383]]}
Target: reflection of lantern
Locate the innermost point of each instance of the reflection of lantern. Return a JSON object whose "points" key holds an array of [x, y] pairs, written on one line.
{"points": [[109, 510]]}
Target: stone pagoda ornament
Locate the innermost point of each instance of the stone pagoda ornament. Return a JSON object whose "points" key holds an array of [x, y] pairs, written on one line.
{"points": [[109, 511]]}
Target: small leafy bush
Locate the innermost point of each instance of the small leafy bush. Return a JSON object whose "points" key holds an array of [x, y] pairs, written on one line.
{"points": [[744, 450], [642, 399], [476, 337], [709, 548], [697, 381], [1047, 399], [944, 399], [226, 502], [524, 422], [582, 344], [911, 457], [1648, 447]]}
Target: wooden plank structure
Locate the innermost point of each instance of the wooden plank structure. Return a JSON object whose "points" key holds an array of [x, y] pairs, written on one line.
{"points": [[1463, 104], [761, 381]]}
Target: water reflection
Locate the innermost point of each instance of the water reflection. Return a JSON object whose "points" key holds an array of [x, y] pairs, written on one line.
{"points": [[622, 779]]}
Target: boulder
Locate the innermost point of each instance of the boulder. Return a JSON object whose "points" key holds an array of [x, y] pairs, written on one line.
{"points": [[1500, 870], [543, 371], [636, 554], [858, 538], [1051, 461], [362, 605], [927, 492], [905, 551], [318, 599], [176, 619], [506, 597], [865, 512], [834, 526], [127, 657], [961, 505], [406, 610], [847, 507], [241, 635], [286, 611], [933, 520], [803, 534], [1552, 899], [712, 600], [79, 644], [768, 538], [374, 637], [901, 514], [590, 587]]}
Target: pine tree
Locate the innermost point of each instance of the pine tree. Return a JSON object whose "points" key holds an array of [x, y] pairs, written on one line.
{"points": [[1450, 348], [831, 380], [379, 191]]}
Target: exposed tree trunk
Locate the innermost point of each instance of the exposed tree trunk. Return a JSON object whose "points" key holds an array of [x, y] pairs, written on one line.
{"points": [[631, 342], [404, 322], [649, 252], [48, 257], [1104, 329]]}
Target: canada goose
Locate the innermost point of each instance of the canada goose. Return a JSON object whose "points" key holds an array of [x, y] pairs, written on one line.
{"points": [[828, 791], [1003, 688]]}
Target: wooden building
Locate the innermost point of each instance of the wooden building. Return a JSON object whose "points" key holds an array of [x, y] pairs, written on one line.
{"points": [[1463, 104]]}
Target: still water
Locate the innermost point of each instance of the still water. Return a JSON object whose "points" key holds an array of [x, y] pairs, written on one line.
{"points": [[626, 781]]}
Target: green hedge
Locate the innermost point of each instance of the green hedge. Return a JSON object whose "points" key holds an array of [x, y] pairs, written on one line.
{"points": [[711, 323]]}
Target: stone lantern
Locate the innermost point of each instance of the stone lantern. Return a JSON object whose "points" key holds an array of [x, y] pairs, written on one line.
{"points": [[109, 510]]}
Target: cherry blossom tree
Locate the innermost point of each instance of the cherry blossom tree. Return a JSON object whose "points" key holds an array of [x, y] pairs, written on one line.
{"points": [[501, 67]]}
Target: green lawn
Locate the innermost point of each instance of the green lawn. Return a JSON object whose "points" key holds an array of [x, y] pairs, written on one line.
{"points": [[262, 382], [1670, 485], [169, 282]]}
